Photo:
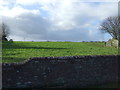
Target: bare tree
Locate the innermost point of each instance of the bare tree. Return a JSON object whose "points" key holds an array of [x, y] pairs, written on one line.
{"points": [[4, 31], [111, 25]]}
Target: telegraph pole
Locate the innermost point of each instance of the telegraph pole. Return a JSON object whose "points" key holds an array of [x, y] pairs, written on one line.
{"points": [[24, 38]]}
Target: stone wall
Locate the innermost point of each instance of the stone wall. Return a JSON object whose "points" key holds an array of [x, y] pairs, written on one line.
{"points": [[112, 42], [74, 71]]}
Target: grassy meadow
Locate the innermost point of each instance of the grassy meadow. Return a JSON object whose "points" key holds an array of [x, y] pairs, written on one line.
{"points": [[19, 51]]}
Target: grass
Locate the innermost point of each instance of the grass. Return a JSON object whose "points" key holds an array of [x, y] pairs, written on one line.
{"points": [[19, 51]]}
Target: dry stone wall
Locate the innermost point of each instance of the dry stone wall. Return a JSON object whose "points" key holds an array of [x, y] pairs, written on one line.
{"points": [[74, 71], [112, 42]]}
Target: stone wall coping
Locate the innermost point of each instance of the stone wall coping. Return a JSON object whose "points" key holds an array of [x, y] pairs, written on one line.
{"points": [[56, 58]]}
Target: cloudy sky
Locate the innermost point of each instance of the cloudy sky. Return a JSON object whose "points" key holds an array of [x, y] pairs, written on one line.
{"points": [[76, 20]]}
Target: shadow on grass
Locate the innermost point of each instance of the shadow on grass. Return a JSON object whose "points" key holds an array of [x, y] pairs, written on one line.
{"points": [[9, 45], [12, 59], [35, 48], [26, 47]]}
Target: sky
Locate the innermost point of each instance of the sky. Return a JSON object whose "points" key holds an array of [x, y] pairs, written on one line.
{"points": [[71, 20]]}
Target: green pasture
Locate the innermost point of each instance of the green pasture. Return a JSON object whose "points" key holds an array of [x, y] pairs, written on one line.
{"points": [[19, 51]]}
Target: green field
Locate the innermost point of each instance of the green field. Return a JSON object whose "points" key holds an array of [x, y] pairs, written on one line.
{"points": [[19, 51]]}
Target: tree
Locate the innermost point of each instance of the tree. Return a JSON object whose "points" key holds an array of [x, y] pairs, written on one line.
{"points": [[4, 32], [111, 25]]}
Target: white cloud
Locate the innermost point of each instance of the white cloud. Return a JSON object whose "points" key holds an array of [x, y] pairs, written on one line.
{"points": [[14, 12], [27, 26], [3, 2], [66, 19], [31, 2], [68, 15], [26, 2]]}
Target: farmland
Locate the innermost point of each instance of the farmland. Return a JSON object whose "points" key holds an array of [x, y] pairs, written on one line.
{"points": [[19, 51]]}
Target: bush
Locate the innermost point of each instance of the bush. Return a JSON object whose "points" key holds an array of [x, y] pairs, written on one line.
{"points": [[11, 40]]}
